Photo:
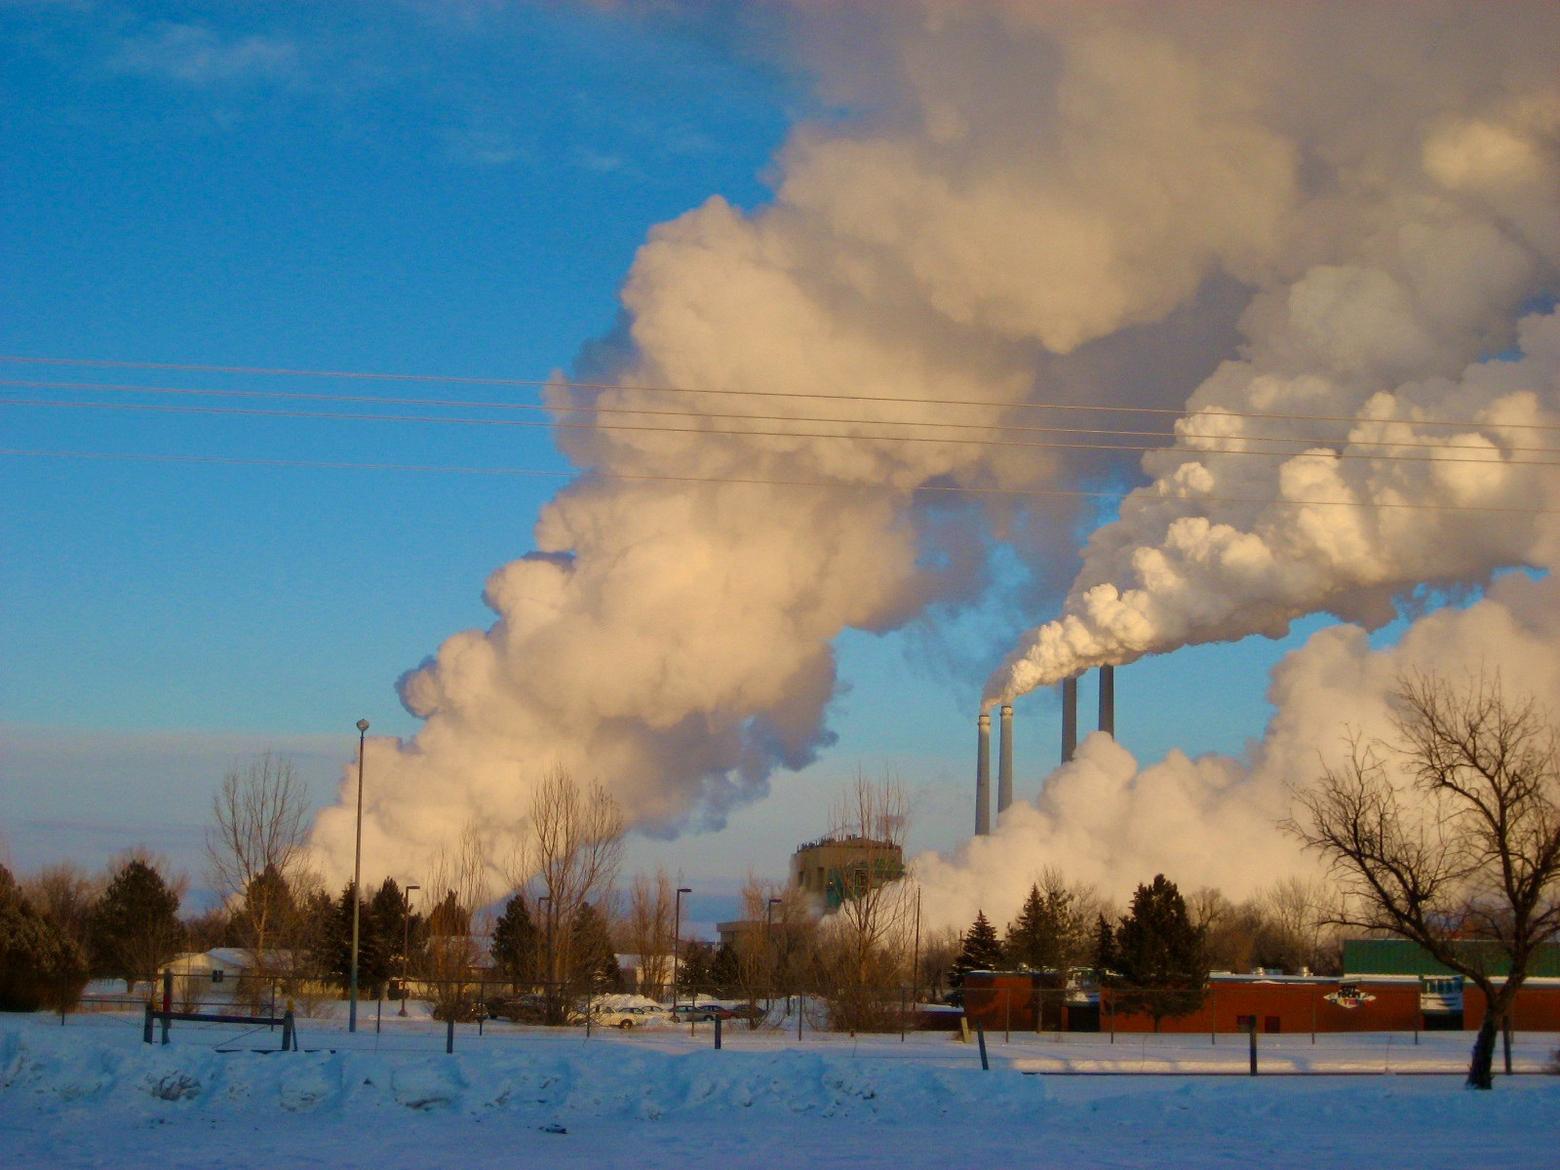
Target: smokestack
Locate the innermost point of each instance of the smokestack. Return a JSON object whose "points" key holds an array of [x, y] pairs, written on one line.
{"points": [[1108, 700], [983, 776], [1069, 718], [1005, 761]]}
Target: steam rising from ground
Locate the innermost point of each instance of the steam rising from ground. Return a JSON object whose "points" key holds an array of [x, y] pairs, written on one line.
{"points": [[1104, 820], [1030, 202]]}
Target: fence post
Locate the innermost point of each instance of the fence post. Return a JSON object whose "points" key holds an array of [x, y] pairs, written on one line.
{"points": [[289, 1033], [1007, 1015], [717, 1033], [146, 1032], [167, 1002], [1253, 1036], [798, 1015], [1505, 1031], [449, 1033], [980, 1036]]}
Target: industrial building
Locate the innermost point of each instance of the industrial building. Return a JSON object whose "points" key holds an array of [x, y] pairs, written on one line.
{"points": [[831, 869]]}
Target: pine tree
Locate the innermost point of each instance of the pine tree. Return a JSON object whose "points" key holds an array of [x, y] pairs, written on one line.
{"points": [[982, 951], [1157, 954], [725, 970], [449, 918], [134, 928], [373, 961], [1050, 932], [593, 961], [40, 966], [389, 923], [515, 942], [694, 963]]}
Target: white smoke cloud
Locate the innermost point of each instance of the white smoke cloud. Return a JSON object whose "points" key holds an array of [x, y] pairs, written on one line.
{"points": [[1105, 820], [1031, 202]]}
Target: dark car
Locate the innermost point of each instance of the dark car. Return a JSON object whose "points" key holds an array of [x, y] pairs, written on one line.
{"points": [[685, 1013], [746, 1011], [521, 1009]]}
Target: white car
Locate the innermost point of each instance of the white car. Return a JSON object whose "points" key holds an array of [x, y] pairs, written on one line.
{"points": [[628, 1017]]}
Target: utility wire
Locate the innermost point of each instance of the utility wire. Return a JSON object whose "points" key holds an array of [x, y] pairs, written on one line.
{"points": [[378, 376], [346, 416], [829, 485], [657, 412]]}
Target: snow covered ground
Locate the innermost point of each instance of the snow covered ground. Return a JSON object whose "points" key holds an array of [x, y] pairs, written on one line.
{"points": [[89, 1093]]}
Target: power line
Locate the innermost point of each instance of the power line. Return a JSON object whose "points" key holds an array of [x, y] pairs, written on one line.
{"points": [[710, 432], [536, 383], [829, 485], [597, 410]]}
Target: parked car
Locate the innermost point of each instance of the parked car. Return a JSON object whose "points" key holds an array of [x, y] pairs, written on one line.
{"points": [[628, 1017], [746, 1011], [522, 1009], [685, 1013]]}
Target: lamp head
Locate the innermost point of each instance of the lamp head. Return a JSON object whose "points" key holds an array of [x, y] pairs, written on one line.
{"points": [[362, 724]]}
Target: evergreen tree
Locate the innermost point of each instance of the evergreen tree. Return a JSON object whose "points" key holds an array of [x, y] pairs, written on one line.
{"points": [[694, 963], [1157, 956], [134, 927], [726, 970], [268, 914], [1104, 954], [515, 942], [373, 960], [594, 963], [1050, 932], [982, 951], [449, 918], [40, 966], [389, 924]]}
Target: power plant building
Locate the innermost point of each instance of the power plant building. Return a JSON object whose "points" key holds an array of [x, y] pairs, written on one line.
{"points": [[833, 869]]}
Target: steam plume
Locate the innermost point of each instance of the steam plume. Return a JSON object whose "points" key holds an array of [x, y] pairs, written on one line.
{"points": [[1032, 202]]}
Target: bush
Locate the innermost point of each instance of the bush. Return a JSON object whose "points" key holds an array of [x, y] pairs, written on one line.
{"points": [[40, 967]]}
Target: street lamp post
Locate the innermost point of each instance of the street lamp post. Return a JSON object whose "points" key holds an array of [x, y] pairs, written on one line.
{"points": [[406, 941], [547, 972], [915, 961], [357, 873], [769, 949], [676, 941]]}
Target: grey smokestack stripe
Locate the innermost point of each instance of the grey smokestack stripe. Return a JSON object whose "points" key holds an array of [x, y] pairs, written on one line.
{"points": [[983, 776], [1005, 761], [1069, 718]]}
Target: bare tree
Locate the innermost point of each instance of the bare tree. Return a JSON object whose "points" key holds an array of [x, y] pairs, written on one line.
{"points": [[576, 847], [649, 930], [65, 893], [456, 890], [1450, 831], [866, 938], [255, 848]]}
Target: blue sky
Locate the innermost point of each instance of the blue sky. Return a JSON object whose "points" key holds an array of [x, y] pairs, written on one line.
{"points": [[434, 188]]}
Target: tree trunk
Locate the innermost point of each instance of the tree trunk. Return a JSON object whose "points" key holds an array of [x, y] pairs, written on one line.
{"points": [[1480, 1075]]}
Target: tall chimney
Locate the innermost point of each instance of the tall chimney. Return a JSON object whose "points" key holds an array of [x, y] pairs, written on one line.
{"points": [[1005, 761], [1069, 718], [983, 775], [1108, 700]]}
